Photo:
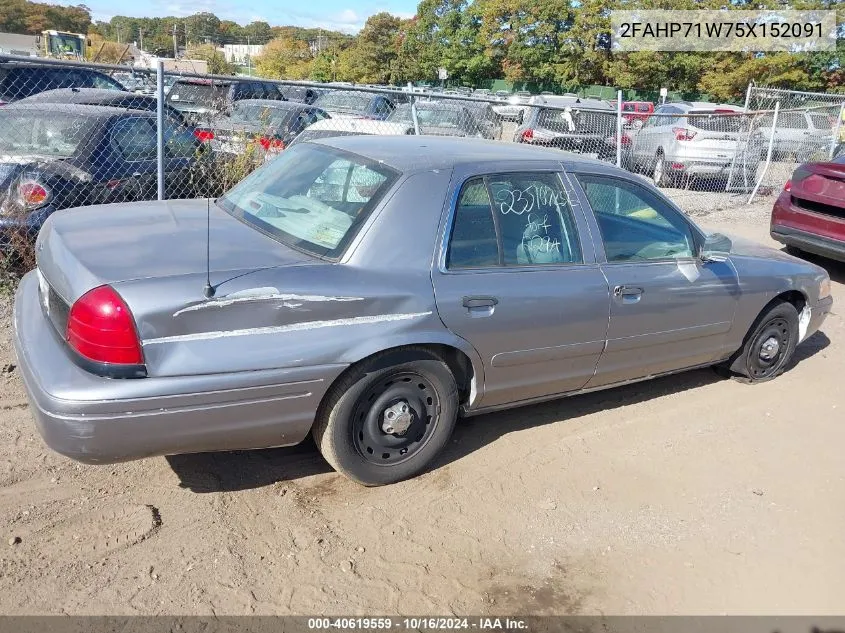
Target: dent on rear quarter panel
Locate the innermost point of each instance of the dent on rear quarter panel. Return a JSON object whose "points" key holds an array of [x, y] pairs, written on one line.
{"points": [[309, 315]]}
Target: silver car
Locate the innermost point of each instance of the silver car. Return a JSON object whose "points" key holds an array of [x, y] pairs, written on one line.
{"points": [[801, 136], [513, 108], [369, 290], [696, 141]]}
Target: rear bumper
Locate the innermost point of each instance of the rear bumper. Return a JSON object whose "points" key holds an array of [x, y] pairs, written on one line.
{"points": [[817, 233], [100, 420], [810, 242]]}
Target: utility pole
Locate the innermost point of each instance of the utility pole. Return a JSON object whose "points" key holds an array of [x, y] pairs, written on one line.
{"points": [[141, 36], [175, 47], [248, 57], [118, 34]]}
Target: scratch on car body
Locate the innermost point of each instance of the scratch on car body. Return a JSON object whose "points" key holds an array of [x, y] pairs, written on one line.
{"points": [[278, 329], [261, 294]]}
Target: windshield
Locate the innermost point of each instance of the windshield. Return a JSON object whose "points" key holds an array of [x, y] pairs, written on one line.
{"points": [[65, 45], [263, 114], [41, 132], [312, 198], [350, 101]]}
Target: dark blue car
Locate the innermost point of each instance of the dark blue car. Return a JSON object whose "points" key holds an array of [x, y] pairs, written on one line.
{"points": [[61, 156], [356, 103]]}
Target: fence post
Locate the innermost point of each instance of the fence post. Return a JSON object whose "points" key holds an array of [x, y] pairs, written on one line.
{"points": [[748, 95], [619, 128], [160, 127], [414, 112], [836, 130], [768, 153]]}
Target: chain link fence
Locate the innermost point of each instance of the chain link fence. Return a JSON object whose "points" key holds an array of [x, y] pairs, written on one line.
{"points": [[75, 134]]}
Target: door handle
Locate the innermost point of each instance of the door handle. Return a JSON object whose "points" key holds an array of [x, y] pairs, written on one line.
{"points": [[627, 291], [480, 302]]}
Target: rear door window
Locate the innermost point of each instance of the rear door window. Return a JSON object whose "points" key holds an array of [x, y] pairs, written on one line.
{"points": [[135, 139]]}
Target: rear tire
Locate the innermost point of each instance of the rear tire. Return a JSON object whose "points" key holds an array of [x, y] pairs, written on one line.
{"points": [[769, 344], [658, 175], [410, 388]]}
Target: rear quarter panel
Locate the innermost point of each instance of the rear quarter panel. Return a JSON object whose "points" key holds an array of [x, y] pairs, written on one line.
{"points": [[377, 297]]}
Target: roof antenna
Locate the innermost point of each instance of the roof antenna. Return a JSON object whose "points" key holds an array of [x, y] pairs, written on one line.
{"points": [[208, 290]]}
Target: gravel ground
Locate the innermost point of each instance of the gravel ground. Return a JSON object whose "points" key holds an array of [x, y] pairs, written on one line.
{"points": [[688, 494]]}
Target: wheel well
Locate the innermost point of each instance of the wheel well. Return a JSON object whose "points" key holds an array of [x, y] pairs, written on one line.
{"points": [[457, 361], [795, 297]]}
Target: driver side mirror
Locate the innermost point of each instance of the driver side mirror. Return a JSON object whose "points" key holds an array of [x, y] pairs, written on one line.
{"points": [[716, 248]]}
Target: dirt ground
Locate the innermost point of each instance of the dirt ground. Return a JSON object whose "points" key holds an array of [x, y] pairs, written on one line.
{"points": [[689, 494]]}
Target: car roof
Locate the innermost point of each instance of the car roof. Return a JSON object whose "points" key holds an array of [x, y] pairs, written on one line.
{"points": [[563, 100], [274, 103], [362, 126], [207, 82], [82, 95], [74, 108], [706, 105], [19, 64], [409, 153]]}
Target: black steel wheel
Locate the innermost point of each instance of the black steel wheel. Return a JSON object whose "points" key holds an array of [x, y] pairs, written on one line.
{"points": [[388, 417], [768, 349], [395, 417], [769, 345]]}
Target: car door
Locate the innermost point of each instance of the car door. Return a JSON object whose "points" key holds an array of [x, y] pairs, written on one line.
{"points": [[669, 309], [131, 171], [517, 281]]}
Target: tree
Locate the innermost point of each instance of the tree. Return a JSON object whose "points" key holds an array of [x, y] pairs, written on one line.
{"points": [[284, 58], [217, 64], [23, 16]]}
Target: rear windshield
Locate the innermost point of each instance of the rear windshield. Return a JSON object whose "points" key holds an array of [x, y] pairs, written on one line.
{"points": [[42, 133], [711, 121], [349, 101], [206, 94], [296, 93], [429, 117], [262, 114], [312, 198]]}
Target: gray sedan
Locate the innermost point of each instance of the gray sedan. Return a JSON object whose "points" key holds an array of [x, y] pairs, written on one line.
{"points": [[369, 290]]}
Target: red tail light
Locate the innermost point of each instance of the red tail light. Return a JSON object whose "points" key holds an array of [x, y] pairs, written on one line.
{"points": [[100, 328], [203, 136], [683, 134], [32, 194], [528, 134], [788, 186], [269, 143]]}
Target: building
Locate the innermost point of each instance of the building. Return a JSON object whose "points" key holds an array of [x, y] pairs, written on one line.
{"points": [[238, 53], [182, 65], [14, 44]]}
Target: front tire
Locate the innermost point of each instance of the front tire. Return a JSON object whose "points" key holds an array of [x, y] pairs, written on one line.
{"points": [[769, 345], [388, 417]]}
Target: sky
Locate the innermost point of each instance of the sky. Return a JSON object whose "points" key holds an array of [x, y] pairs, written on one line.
{"points": [[339, 15]]}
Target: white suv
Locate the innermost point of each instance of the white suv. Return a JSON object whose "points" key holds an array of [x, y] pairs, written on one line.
{"points": [[696, 142]]}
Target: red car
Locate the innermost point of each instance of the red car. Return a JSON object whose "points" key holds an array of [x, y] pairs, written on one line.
{"points": [[809, 214], [635, 113]]}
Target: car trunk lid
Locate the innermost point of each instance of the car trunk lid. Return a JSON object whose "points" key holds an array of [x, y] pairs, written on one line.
{"points": [[714, 134], [80, 249], [820, 187]]}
